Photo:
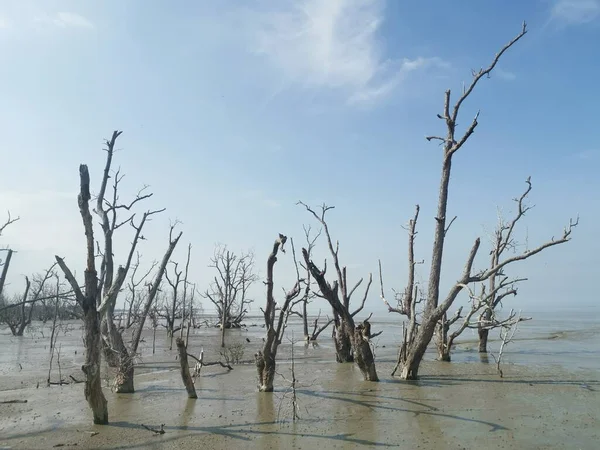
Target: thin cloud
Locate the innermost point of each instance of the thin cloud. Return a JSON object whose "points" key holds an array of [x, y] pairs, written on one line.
{"points": [[65, 20], [588, 155], [332, 44], [371, 93], [70, 19], [505, 75], [259, 197], [575, 12]]}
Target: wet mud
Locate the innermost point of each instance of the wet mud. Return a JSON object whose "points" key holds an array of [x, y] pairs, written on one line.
{"points": [[452, 406]]}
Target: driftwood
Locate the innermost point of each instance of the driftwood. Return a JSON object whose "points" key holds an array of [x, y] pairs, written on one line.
{"points": [[200, 363], [160, 430]]}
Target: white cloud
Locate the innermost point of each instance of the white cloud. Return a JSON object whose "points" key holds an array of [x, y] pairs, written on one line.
{"points": [[573, 12], [333, 44]]}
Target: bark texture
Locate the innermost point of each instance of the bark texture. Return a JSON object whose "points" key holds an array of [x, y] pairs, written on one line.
{"points": [[360, 335], [87, 300], [275, 324], [185, 369]]}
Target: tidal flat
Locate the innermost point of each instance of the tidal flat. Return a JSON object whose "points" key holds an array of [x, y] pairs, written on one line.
{"points": [[462, 404]]}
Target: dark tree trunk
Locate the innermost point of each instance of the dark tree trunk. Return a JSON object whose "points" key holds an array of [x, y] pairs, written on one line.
{"points": [[443, 345], [5, 269], [185, 369], [342, 336], [305, 321], [416, 351], [91, 368], [483, 339], [265, 364], [363, 354]]}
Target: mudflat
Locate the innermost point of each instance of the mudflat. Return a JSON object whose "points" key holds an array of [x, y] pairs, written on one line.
{"points": [[452, 405]]}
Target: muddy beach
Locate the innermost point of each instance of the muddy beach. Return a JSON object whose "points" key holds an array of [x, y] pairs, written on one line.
{"points": [[453, 405]]}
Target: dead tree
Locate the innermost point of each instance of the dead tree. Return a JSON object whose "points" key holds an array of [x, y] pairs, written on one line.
{"points": [[6, 263], [87, 300], [125, 369], [408, 300], [266, 358], [229, 290], [19, 318], [343, 331], [173, 309], [185, 369], [360, 334], [434, 310], [111, 281], [499, 286], [507, 333]]}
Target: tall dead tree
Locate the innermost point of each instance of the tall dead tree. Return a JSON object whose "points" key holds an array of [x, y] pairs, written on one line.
{"points": [[434, 310], [275, 324], [343, 332], [111, 280], [87, 300], [125, 370], [229, 290]]}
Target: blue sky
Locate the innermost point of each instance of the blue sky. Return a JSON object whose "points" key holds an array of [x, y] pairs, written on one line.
{"points": [[233, 111]]}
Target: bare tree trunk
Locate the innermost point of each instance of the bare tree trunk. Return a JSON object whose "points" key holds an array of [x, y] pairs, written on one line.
{"points": [[223, 323], [265, 364], [185, 369], [153, 339], [5, 269], [363, 353], [91, 368], [92, 336], [443, 345], [342, 337], [483, 339], [305, 319], [415, 352], [125, 371], [266, 358]]}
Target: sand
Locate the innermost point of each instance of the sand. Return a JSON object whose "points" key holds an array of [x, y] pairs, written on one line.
{"points": [[452, 406]]}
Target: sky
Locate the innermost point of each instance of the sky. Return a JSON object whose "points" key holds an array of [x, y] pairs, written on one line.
{"points": [[233, 111]]}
